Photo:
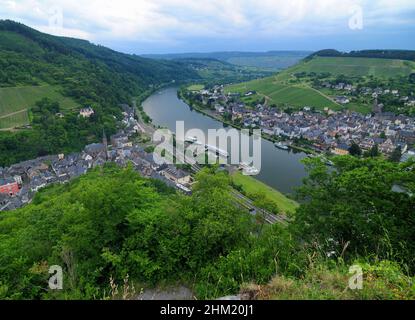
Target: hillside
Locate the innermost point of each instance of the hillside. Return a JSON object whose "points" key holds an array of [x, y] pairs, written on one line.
{"points": [[279, 93], [111, 227], [301, 85], [356, 66], [269, 61], [85, 72], [213, 71], [76, 73], [15, 102], [380, 54]]}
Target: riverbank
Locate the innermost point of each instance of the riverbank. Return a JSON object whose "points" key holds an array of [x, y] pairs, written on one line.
{"points": [[202, 110], [252, 186]]}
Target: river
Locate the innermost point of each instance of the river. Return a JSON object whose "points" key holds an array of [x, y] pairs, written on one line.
{"points": [[280, 169]]}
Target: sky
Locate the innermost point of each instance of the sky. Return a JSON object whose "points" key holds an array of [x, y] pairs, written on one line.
{"points": [[176, 26]]}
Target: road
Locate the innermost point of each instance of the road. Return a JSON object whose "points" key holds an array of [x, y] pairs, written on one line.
{"points": [[268, 217]]}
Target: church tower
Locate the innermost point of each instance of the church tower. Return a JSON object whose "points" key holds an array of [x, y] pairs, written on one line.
{"points": [[377, 108], [105, 143], [104, 139]]}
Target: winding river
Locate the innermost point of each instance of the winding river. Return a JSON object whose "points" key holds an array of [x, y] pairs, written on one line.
{"points": [[280, 169]]}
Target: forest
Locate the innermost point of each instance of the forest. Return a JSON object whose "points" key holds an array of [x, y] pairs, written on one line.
{"points": [[115, 233], [381, 54]]}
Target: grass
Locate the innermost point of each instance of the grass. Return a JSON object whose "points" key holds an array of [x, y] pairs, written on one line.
{"points": [[282, 89], [252, 186], [15, 101], [284, 94], [357, 67], [381, 281], [195, 87], [15, 120]]}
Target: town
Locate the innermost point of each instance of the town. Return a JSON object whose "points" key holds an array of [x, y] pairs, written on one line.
{"points": [[327, 131], [20, 182]]}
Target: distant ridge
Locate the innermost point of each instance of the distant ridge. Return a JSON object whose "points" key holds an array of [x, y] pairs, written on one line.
{"points": [[269, 60], [380, 54]]}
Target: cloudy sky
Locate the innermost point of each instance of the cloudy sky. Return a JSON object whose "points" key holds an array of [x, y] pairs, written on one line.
{"points": [[167, 26]]}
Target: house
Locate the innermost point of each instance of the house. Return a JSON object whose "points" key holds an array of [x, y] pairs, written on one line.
{"points": [[406, 136], [341, 149], [9, 186], [408, 155], [120, 140], [177, 176], [86, 112], [250, 93], [341, 99], [4, 200], [219, 108], [95, 149]]}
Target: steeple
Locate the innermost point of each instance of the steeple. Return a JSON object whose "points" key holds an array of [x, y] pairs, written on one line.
{"points": [[105, 143], [377, 108]]}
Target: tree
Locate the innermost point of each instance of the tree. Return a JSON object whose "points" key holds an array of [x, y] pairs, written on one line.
{"points": [[355, 150], [358, 203], [373, 152], [396, 154]]}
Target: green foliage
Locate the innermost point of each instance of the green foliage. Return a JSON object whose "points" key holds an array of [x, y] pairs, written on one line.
{"points": [[86, 73], [396, 155], [380, 54], [381, 280], [273, 251], [113, 223], [373, 152], [52, 134], [355, 150], [365, 205]]}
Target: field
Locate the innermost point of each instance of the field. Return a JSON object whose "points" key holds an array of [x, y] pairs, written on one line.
{"points": [[283, 89], [356, 67], [279, 93], [251, 185], [15, 101], [196, 87]]}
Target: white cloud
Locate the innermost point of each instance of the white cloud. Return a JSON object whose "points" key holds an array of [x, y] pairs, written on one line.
{"points": [[172, 20]]}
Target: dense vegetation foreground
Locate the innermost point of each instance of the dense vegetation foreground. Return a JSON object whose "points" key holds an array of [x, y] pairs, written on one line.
{"points": [[114, 229]]}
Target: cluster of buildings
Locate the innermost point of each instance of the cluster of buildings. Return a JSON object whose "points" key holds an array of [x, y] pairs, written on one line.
{"points": [[409, 101], [326, 131], [20, 182]]}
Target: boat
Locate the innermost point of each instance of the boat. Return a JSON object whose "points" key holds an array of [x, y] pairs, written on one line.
{"points": [[250, 171], [191, 139], [281, 146], [216, 150]]}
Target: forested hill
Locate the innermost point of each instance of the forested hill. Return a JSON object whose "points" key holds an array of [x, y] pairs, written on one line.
{"points": [[29, 57], [380, 54], [72, 74]]}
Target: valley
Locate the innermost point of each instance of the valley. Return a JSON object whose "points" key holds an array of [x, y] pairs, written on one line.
{"points": [[83, 190]]}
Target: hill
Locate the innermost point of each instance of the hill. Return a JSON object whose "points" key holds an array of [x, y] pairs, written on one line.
{"points": [[280, 93], [381, 54], [112, 228], [295, 86], [269, 61], [15, 102], [356, 66], [213, 71], [77, 73]]}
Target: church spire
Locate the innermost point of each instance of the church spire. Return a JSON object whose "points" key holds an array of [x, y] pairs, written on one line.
{"points": [[104, 139]]}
